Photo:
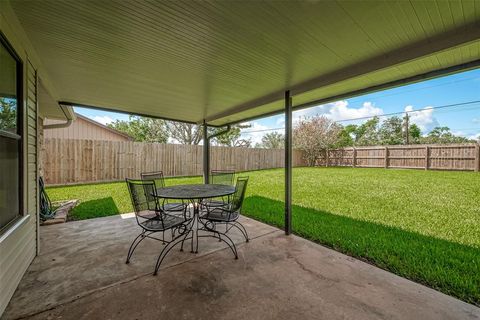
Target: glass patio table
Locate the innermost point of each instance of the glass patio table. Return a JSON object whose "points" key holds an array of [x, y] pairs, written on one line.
{"points": [[196, 194]]}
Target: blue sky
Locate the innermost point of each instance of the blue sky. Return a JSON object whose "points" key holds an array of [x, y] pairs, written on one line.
{"points": [[454, 89]]}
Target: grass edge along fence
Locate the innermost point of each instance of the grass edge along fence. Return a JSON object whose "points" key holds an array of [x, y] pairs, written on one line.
{"points": [[464, 157], [75, 161]]}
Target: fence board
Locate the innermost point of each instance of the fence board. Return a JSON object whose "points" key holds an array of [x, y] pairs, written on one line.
{"points": [[464, 157], [71, 161]]}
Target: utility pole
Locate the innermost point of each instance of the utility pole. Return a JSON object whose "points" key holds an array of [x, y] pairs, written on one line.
{"points": [[407, 126]]}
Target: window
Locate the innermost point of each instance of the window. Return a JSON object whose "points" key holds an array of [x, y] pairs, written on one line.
{"points": [[10, 136]]}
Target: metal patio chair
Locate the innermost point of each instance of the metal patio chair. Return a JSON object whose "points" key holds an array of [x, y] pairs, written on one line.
{"points": [[225, 177], [152, 219], [229, 213], [166, 205]]}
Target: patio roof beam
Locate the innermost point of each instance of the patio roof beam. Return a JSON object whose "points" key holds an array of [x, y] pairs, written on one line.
{"points": [[425, 47], [288, 163], [73, 104], [388, 85]]}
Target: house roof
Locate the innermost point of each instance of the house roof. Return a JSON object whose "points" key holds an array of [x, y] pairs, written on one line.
{"points": [[103, 126], [226, 61]]}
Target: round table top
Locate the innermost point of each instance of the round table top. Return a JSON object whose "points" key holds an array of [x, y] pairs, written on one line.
{"points": [[195, 191]]}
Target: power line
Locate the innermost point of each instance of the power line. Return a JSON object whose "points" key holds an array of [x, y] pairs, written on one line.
{"points": [[384, 115], [421, 110], [262, 130]]}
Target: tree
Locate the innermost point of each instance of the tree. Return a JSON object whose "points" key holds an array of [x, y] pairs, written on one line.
{"points": [[314, 136], [185, 133], [232, 137], [8, 114], [390, 131], [346, 136], [415, 133], [443, 135], [272, 140], [143, 129], [367, 133]]}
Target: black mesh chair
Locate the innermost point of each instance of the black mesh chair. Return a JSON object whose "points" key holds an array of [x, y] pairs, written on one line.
{"points": [[152, 219], [225, 177], [176, 208], [222, 177], [229, 213]]}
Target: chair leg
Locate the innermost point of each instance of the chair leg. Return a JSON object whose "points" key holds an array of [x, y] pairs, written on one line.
{"points": [[231, 244], [134, 245], [166, 250], [242, 229]]}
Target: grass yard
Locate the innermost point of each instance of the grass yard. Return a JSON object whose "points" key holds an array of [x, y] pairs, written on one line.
{"points": [[422, 225]]}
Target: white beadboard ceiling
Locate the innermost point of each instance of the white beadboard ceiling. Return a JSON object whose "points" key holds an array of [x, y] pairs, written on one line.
{"points": [[225, 61]]}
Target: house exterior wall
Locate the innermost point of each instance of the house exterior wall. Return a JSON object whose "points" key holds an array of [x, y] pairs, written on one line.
{"points": [[18, 243], [82, 129]]}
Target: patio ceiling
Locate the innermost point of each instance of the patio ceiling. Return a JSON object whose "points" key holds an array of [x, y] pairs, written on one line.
{"points": [[227, 61]]}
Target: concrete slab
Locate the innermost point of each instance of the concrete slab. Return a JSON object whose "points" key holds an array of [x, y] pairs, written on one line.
{"points": [[80, 257], [276, 277]]}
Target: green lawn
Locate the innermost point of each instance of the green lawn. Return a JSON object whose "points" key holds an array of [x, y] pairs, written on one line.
{"points": [[422, 225]]}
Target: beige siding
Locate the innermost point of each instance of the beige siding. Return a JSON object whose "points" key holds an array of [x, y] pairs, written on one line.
{"points": [[18, 246], [82, 129]]}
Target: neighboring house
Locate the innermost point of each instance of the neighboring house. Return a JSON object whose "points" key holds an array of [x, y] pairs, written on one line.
{"points": [[84, 128]]}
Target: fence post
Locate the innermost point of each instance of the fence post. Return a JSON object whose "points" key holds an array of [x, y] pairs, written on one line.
{"points": [[386, 157], [477, 157], [326, 158], [354, 164], [427, 157]]}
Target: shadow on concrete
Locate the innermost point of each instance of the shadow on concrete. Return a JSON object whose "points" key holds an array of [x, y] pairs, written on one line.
{"points": [[449, 267]]}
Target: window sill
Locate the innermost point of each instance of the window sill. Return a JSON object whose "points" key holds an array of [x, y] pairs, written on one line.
{"points": [[15, 225]]}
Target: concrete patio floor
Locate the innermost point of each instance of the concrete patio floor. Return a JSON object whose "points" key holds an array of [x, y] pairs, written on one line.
{"points": [[81, 274]]}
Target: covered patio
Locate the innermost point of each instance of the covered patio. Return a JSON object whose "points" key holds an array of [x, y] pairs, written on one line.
{"points": [[83, 276], [217, 64]]}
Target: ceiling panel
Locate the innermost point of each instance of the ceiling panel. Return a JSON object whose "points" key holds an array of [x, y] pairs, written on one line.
{"points": [[224, 61]]}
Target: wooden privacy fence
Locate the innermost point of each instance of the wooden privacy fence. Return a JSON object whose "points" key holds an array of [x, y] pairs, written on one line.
{"points": [[428, 157], [68, 161]]}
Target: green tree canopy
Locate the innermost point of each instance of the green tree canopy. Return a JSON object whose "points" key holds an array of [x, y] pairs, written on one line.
{"points": [[272, 140], [367, 133], [232, 137], [8, 114], [390, 131], [443, 135], [143, 129]]}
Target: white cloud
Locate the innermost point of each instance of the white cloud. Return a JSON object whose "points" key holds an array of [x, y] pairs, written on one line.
{"points": [[476, 120], [256, 131], [340, 110], [474, 136], [423, 118], [102, 119]]}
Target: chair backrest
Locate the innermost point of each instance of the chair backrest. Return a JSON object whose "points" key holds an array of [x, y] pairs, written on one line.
{"points": [[142, 194], [156, 176], [239, 195], [225, 177]]}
